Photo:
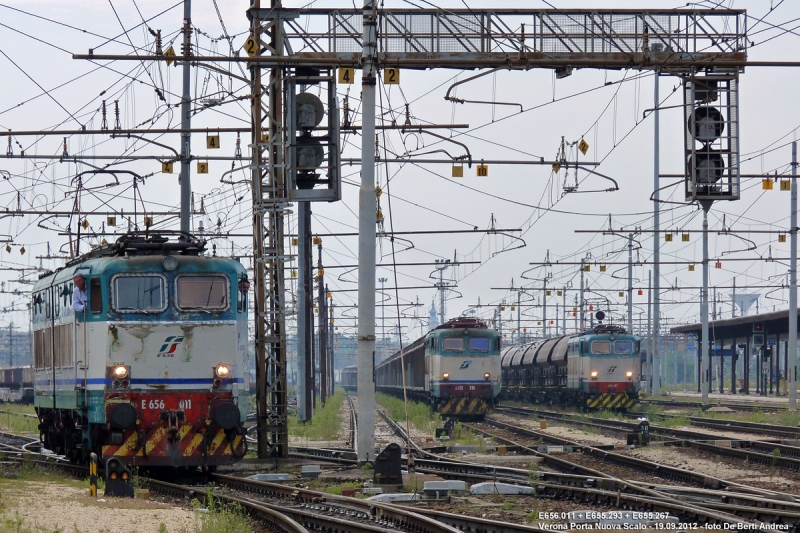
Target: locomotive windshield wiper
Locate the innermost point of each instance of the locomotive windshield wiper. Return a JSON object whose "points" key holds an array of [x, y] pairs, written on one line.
{"points": [[210, 289]]}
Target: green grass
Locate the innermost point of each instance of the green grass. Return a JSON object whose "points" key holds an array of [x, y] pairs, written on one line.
{"points": [[782, 418], [420, 415], [466, 437], [337, 489], [26, 470], [325, 423], [220, 518], [12, 417]]}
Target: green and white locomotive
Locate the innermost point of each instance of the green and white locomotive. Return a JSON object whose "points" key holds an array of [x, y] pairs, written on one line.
{"points": [[153, 369]]}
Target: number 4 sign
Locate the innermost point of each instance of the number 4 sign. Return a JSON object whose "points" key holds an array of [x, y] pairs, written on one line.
{"points": [[346, 76]]}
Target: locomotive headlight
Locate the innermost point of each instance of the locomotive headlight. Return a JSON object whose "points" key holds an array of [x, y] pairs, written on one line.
{"points": [[629, 374], [486, 376], [594, 374], [445, 376], [222, 371], [120, 371], [170, 263]]}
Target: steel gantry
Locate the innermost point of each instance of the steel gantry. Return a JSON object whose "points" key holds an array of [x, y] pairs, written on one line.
{"points": [[270, 204], [679, 41]]}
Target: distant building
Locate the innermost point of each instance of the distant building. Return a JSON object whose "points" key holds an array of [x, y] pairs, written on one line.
{"points": [[433, 317], [15, 349]]}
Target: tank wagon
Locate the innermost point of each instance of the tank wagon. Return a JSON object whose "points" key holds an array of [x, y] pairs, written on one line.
{"points": [[153, 371], [596, 369], [455, 368]]}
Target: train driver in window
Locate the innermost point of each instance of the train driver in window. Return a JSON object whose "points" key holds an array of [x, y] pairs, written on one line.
{"points": [[244, 286], [79, 293]]}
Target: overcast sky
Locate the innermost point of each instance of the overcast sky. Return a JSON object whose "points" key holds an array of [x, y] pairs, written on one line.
{"points": [[605, 108]]}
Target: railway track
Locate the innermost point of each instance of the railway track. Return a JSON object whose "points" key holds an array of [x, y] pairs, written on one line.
{"points": [[662, 431], [667, 472], [745, 502], [286, 508], [389, 517], [594, 487], [737, 406]]}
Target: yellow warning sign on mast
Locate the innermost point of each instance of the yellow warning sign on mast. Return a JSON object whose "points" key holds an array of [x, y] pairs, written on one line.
{"points": [[251, 46], [170, 55]]}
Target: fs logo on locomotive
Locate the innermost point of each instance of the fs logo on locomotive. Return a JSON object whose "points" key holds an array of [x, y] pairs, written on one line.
{"points": [[465, 364], [170, 346], [612, 369]]}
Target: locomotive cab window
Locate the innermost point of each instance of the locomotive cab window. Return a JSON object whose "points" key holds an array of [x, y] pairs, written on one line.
{"points": [[202, 292], [623, 347], [96, 295], [453, 344], [601, 347], [480, 344], [243, 289], [138, 293]]}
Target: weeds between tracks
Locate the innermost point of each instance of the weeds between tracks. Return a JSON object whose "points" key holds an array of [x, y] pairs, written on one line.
{"points": [[12, 417], [420, 415], [326, 423]]}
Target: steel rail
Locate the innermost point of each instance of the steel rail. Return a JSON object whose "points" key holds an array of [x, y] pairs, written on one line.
{"points": [[353, 421], [744, 504], [741, 406], [734, 425], [618, 492], [686, 437], [658, 469], [272, 516], [392, 517]]}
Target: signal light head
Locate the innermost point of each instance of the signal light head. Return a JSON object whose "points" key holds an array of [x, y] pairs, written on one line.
{"points": [[708, 124]]}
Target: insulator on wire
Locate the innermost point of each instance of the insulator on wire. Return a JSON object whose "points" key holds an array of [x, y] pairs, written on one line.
{"points": [[408, 116], [64, 152], [159, 51], [238, 151], [346, 110], [186, 47], [117, 125], [9, 150], [104, 123]]}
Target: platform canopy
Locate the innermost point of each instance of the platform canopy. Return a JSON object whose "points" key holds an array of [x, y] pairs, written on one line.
{"points": [[776, 323]]}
